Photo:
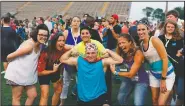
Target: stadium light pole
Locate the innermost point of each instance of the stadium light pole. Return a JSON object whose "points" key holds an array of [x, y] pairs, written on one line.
{"points": [[166, 9]]}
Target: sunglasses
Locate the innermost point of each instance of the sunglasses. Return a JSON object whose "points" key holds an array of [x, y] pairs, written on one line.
{"points": [[83, 33]]}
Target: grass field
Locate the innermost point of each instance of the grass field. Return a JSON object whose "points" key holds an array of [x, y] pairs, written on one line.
{"points": [[70, 101]]}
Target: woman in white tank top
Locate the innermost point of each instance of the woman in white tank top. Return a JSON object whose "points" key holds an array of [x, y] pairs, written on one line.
{"points": [[161, 75], [21, 72]]}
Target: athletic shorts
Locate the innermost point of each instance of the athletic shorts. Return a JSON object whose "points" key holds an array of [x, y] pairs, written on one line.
{"points": [[45, 80], [170, 79], [102, 99]]}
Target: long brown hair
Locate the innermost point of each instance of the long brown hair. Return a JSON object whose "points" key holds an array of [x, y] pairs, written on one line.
{"points": [[176, 34], [133, 47]]}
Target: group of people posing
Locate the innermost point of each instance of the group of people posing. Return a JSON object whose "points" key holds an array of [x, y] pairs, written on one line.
{"points": [[74, 50]]}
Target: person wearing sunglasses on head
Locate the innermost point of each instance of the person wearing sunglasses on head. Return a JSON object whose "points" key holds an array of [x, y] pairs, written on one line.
{"points": [[161, 74]]}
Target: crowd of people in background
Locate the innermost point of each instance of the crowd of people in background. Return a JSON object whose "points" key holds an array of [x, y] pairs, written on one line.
{"points": [[52, 50]]}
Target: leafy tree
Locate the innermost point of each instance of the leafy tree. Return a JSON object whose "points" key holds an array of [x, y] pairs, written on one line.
{"points": [[163, 17], [181, 12], [147, 11], [158, 14]]}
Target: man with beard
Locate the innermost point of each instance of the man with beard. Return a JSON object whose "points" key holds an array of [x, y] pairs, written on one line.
{"points": [[113, 31]]}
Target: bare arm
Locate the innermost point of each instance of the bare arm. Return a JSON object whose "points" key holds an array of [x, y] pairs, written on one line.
{"points": [[67, 59], [114, 34], [68, 47], [65, 33], [25, 49], [47, 72], [138, 60], [42, 62], [105, 33], [113, 59], [158, 45]]}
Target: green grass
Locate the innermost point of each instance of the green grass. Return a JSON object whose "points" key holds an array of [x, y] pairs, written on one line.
{"points": [[6, 94]]}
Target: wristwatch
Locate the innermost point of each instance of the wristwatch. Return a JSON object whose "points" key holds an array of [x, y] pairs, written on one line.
{"points": [[163, 78]]}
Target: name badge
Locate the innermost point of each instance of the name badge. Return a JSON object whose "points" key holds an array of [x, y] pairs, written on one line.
{"points": [[173, 44], [124, 70]]}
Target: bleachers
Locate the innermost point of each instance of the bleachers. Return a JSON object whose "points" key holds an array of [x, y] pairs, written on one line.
{"points": [[30, 9], [11, 7], [79, 8], [121, 8], [43, 9]]}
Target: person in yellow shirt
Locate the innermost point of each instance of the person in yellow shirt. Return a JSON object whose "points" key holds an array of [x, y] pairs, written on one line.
{"points": [[86, 38]]}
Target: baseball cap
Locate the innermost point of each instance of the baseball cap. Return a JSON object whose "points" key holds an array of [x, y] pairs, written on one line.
{"points": [[115, 16], [134, 22]]}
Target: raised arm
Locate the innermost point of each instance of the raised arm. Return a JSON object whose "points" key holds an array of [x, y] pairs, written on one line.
{"points": [[115, 33], [68, 47], [67, 59], [138, 60], [65, 33], [113, 59]]}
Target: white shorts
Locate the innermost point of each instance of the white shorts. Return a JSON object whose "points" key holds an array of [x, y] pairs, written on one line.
{"points": [[170, 79]]}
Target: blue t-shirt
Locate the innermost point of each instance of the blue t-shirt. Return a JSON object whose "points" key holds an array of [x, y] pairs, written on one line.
{"points": [[91, 80]]}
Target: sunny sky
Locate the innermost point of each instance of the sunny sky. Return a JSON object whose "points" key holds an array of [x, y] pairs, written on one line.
{"points": [[136, 8]]}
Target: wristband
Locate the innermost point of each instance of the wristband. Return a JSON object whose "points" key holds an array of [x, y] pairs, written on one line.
{"points": [[163, 78]]}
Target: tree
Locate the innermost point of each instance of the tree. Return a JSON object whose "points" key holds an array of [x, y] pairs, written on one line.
{"points": [[181, 12], [147, 11], [158, 14]]}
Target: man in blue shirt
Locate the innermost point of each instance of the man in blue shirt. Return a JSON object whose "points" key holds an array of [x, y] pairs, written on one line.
{"points": [[91, 84]]}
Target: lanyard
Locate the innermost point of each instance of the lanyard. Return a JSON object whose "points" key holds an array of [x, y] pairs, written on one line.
{"points": [[75, 40], [167, 41]]}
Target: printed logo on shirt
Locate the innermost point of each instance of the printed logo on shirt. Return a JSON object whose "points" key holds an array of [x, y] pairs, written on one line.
{"points": [[173, 44]]}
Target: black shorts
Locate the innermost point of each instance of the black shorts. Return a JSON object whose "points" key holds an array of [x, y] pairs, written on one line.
{"points": [[45, 80], [102, 99]]}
